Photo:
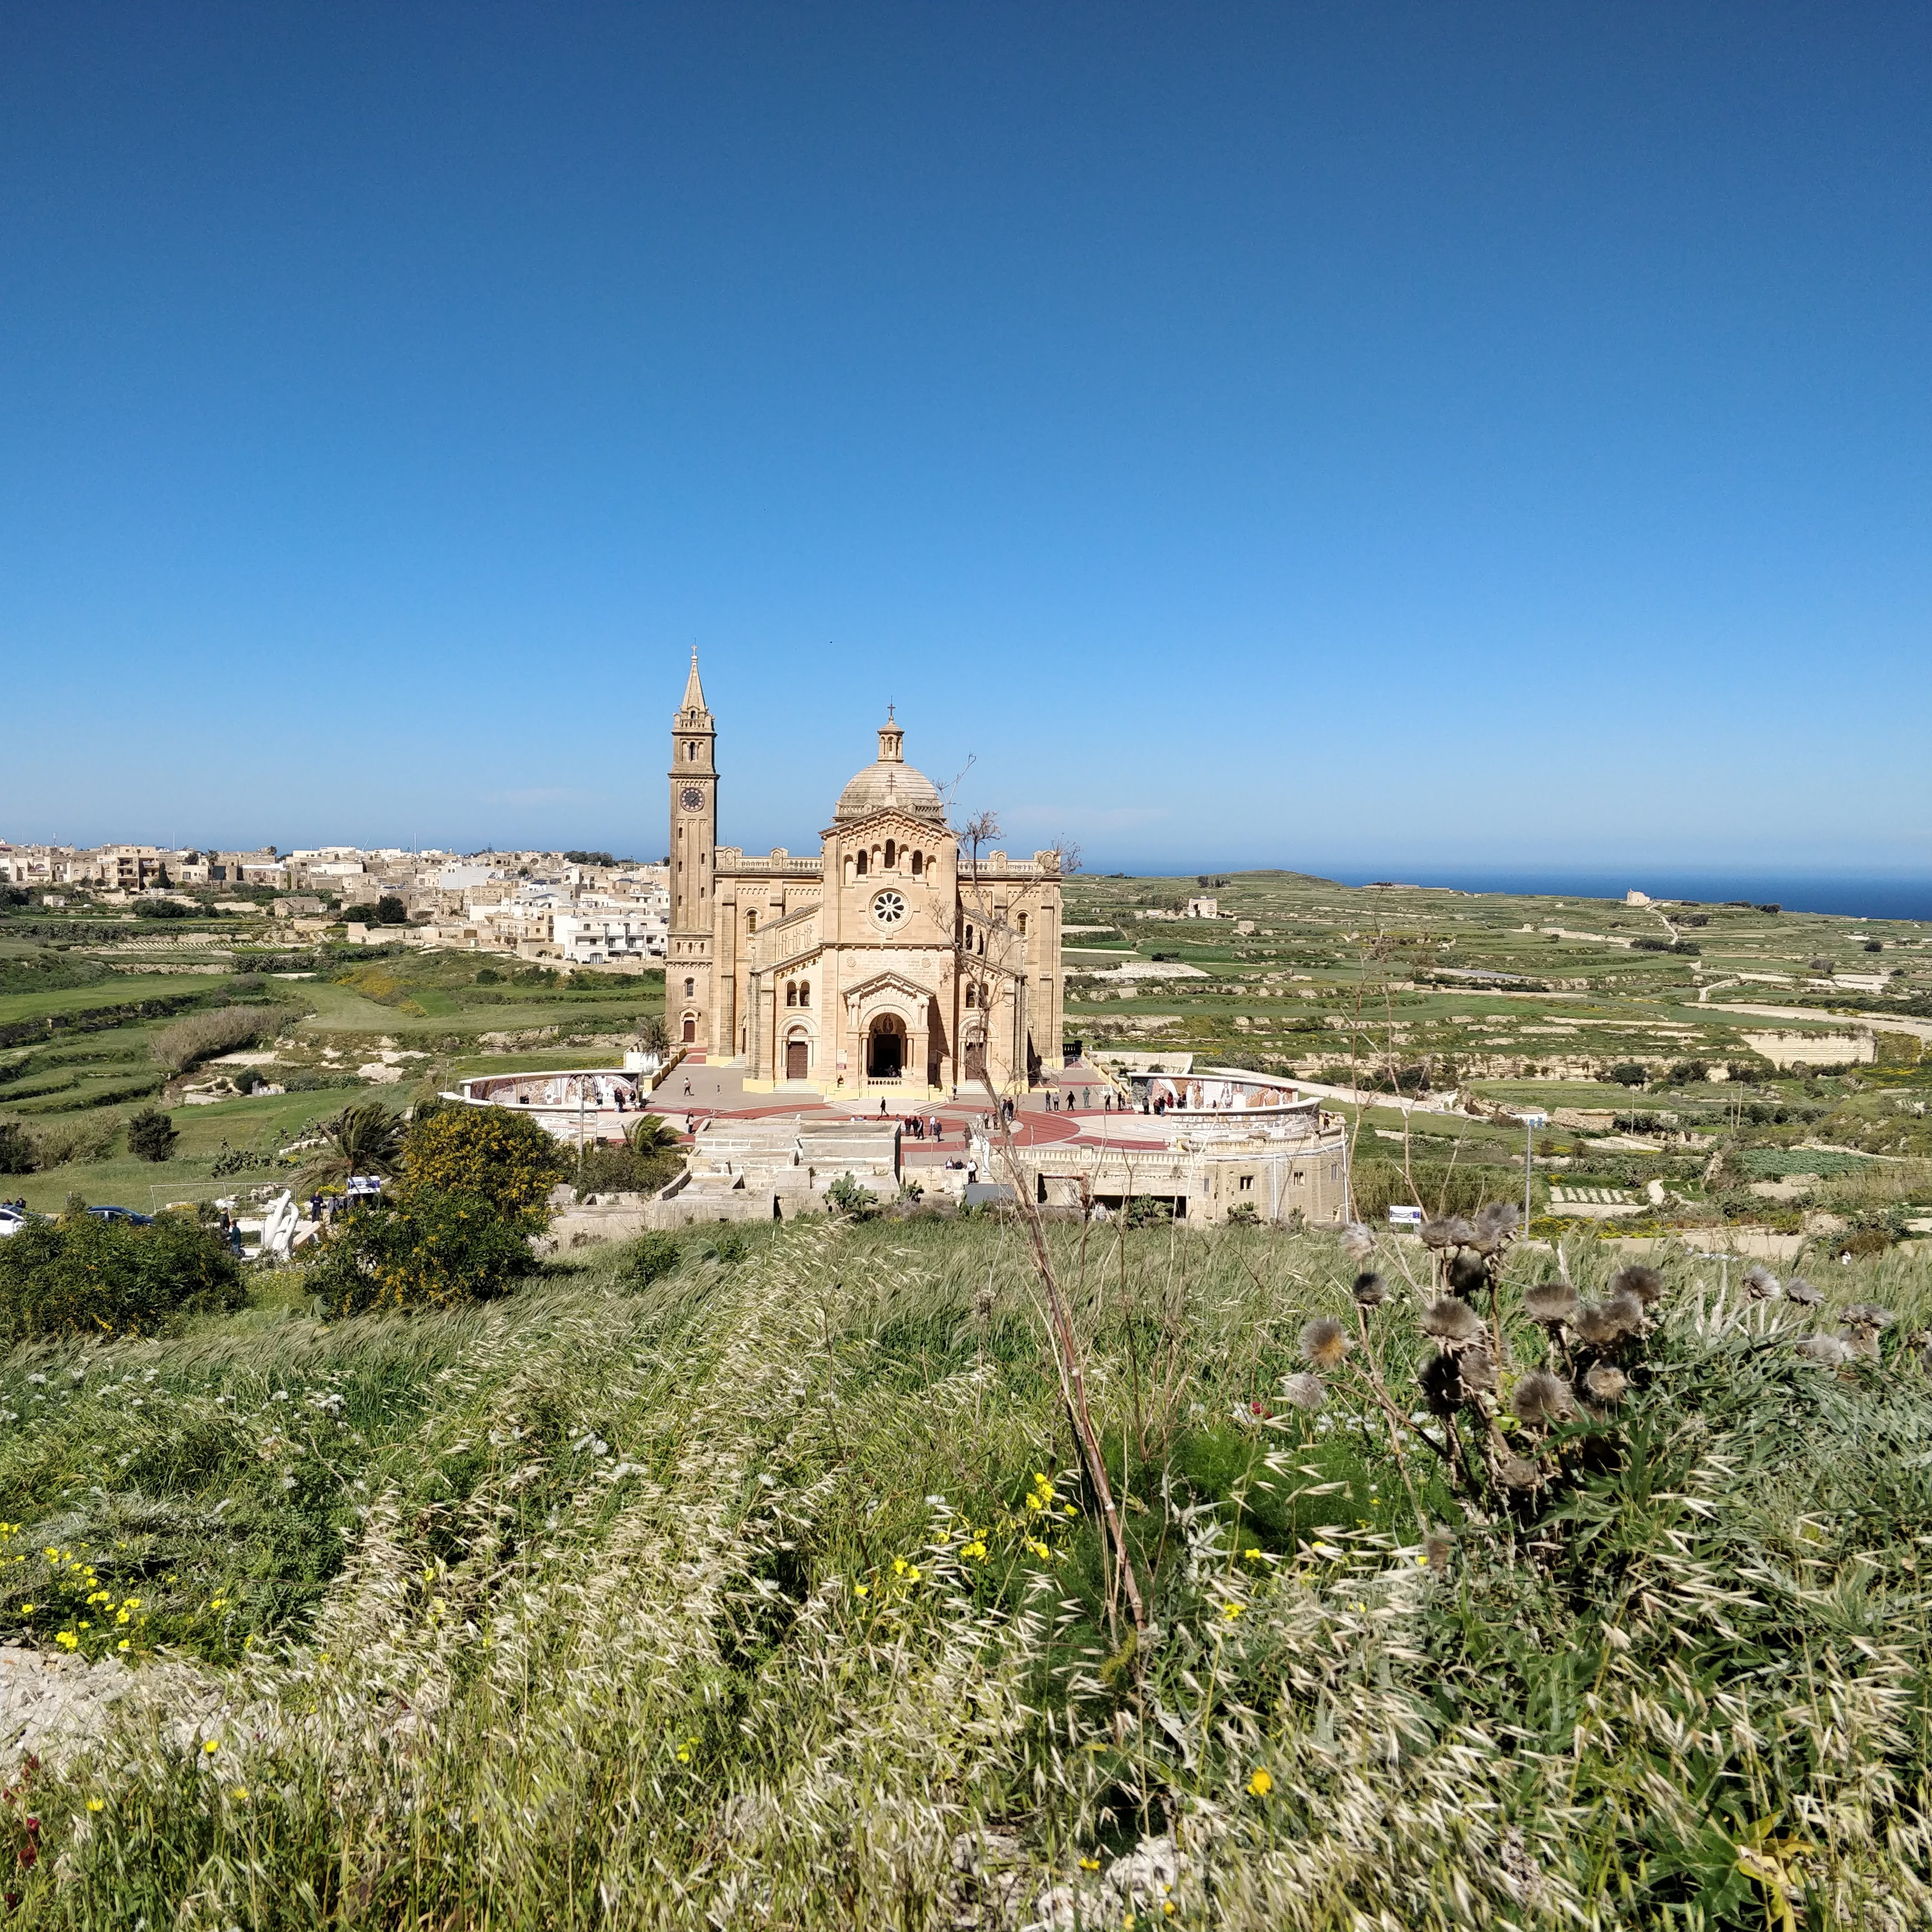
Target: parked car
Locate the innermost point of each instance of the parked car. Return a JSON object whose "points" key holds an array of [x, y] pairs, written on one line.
{"points": [[127, 1214], [12, 1220]]}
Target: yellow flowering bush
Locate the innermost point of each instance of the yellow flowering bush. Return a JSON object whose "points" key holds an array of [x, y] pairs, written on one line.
{"points": [[490, 1152]]}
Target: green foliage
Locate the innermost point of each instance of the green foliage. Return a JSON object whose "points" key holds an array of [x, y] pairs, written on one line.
{"points": [[18, 1154], [492, 1154], [390, 911], [365, 1138], [81, 1276], [1628, 1073], [151, 1135], [426, 1248], [850, 1197], [164, 909], [649, 1259]]}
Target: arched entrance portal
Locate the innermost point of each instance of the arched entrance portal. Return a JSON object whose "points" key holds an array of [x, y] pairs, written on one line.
{"points": [[976, 1059], [885, 1049], [798, 1058]]}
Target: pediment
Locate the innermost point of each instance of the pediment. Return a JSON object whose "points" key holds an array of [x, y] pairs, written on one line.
{"points": [[887, 982], [930, 832]]}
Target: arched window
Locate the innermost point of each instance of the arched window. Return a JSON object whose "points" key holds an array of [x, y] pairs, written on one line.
{"points": [[791, 993], [690, 989], [1023, 925], [859, 865], [892, 853], [691, 754], [805, 992], [972, 994], [752, 922], [918, 864]]}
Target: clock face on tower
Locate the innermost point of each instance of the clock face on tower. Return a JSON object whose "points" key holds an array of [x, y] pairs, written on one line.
{"points": [[691, 799]]}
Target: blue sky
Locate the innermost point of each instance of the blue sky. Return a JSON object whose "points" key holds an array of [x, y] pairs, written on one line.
{"points": [[1376, 436]]}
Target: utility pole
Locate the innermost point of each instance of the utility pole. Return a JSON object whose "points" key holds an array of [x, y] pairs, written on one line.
{"points": [[1531, 1122]]}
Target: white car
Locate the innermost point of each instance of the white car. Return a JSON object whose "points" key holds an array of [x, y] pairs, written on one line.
{"points": [[11, 1221]]}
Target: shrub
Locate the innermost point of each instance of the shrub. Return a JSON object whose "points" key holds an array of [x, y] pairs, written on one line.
{"points": [[651, 1257], [151, 1135], [201, 1036], [83, 1139], [162, 909], [488, 1152], [425, 1249], [390, 911], [846, 1196], [1628, 1073], [79, 1275], [18, 1154]]}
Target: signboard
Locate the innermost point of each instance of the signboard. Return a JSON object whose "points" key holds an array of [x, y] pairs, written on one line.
{"points": [[1533, 1119], [1405, 1217]]}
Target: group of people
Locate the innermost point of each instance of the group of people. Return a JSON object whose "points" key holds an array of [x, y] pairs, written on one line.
{"points": [[922, 1127]]}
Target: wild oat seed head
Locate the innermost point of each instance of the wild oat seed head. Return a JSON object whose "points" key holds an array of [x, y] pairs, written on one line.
{"points": [[1540, 1399], [1325, 1342], [1646, 1284], [1550, 1303], [1453, 1323], [1304, 1390], [1369, 1290]]}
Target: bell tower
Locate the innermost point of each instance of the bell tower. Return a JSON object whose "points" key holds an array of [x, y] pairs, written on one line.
{"points": [[694, 841]]}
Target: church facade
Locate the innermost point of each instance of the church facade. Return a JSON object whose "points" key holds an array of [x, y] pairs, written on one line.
{"points": [[893, 963]]}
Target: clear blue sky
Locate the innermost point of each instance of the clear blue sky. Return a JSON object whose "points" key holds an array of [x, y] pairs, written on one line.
{"points": [[1391, 436]]}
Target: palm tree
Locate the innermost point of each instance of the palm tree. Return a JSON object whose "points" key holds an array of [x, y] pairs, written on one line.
{"points": [[365, 1138], [650, 1133]]}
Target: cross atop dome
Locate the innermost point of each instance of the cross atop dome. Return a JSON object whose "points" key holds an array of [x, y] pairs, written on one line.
{"points": [[892, 741]]}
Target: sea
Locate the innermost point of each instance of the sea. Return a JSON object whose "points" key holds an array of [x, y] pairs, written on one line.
{"points": [[1857, 896]]}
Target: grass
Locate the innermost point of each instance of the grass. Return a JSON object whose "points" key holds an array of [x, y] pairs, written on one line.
{"points": [[769, 1594]]}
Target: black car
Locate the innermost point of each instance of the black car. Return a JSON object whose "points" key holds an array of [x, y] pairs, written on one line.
{"points": [[127, 1214]]}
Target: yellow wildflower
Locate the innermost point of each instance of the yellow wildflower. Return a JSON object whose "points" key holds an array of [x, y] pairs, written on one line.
{"points": [[211, 1746], [862, 1589], [1090, 1865], [1231, 1611], [97, 1804], [1261, 1784]]}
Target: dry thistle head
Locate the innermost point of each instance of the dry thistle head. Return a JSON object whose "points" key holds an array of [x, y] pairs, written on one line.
{"points": [[1479, 1373], [1800, 1292], [1540, 1399], [1441, 1377], [1369, 1290], [1438, 1546], [1453, 1324], [1440, 1232], [1357, 1244], [1468, 1271], [1627, 1307], [1603, 1325], [1323, 1342], [1644, 1283], [1518, 1472], [1304, 1390], [1495, 1226], [1827, 1350], [1863, 1323], [1603, 1384], [1761, 1285], [1458, 1232], [1550, 1303]]}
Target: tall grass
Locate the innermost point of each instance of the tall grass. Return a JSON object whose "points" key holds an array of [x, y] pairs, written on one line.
{"points": [[722, 1603], [199, 1036]]}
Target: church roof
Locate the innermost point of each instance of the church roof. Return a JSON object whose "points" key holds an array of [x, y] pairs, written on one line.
{"points": [[889, 784]]}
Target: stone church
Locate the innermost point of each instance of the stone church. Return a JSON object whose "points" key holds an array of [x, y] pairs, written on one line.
{"points": [[891, 964]]}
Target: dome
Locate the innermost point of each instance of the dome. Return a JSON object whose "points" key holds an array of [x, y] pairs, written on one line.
{"points": [[889, 784]]}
